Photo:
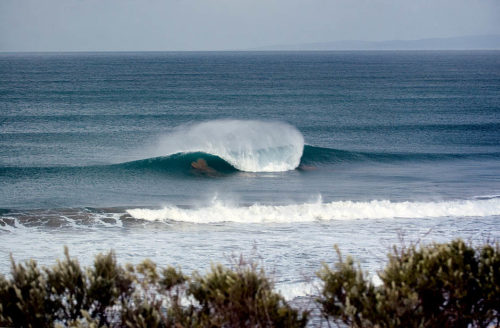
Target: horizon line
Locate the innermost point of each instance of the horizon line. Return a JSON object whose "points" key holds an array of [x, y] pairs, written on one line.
{"points": [[245, 50]]}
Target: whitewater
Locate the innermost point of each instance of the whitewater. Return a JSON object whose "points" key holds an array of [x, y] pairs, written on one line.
{"points": [[318, 211]]}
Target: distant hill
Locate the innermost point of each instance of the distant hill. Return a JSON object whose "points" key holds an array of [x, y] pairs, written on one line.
{"points": [[478, 42]]}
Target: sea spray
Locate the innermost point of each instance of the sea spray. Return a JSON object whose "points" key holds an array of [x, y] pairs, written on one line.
{"points": [[252, 146]]}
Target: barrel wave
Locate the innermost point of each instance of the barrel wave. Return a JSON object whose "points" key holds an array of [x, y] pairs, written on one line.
{"points": [[271, 158], [251, 146], [182, 163]]}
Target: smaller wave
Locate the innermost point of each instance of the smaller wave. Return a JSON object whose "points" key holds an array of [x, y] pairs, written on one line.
{"points": [[62, 218], [338, 210], [313, 155]]}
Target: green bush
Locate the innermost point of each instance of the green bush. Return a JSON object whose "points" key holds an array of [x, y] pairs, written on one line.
{"points": [[109, 295], [241, 298], [23, 298], [441, 285], [64, 294]]}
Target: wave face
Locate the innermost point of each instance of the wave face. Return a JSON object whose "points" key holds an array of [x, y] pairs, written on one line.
{"points": [[252, 146], [337, 210], [271, 154], [319, 155], [182, 162]]}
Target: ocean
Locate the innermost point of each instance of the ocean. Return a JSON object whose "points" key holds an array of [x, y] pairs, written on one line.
{"points": [[197, 158]]}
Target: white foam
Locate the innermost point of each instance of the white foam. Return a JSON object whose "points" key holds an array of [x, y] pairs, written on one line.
{"points": [[299, 289], [8, 227], [375, 279], [252, 146], [103, 219], [339, 210]]}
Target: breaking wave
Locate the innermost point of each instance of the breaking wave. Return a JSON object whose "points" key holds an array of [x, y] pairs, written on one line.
{"points": [[252, 146], [226, 146], [219, 212], [337, 210]]}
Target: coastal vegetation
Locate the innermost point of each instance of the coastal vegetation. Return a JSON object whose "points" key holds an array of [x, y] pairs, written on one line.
{"points": [[447, 285], [440, 285]]}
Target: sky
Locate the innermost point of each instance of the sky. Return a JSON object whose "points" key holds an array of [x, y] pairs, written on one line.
{"points": [[170, 25]]}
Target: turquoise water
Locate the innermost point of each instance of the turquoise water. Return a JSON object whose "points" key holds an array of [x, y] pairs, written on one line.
{"points": [[298, 150]]}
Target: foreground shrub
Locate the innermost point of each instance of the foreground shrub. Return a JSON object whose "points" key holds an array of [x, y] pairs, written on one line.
{"points": [[24, 297], [442, 285], [65, 293], [109, 295], [238, 297], [241, 298]]}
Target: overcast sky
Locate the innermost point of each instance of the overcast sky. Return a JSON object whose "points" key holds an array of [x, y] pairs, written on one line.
{"points": [[135, 25]]}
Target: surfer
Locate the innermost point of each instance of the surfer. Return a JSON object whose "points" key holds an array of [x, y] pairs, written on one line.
{"points": [[201, 166], [303, 167]]}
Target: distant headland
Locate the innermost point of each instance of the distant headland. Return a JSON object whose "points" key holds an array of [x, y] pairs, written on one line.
{"points": [[476, 42]]}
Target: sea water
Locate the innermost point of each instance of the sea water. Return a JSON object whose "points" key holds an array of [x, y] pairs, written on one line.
{"points": [[195, 158]]}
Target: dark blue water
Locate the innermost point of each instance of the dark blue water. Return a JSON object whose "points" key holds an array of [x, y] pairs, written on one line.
{"points": [[380, 125], [185, 157]]}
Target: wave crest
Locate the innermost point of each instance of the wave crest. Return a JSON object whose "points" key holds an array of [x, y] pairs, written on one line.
{"points": [[338, 210], [252, 146]]}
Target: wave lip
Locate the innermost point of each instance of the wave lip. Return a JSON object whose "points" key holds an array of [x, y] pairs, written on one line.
{"points": [[251, 146], [307, 212]]}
